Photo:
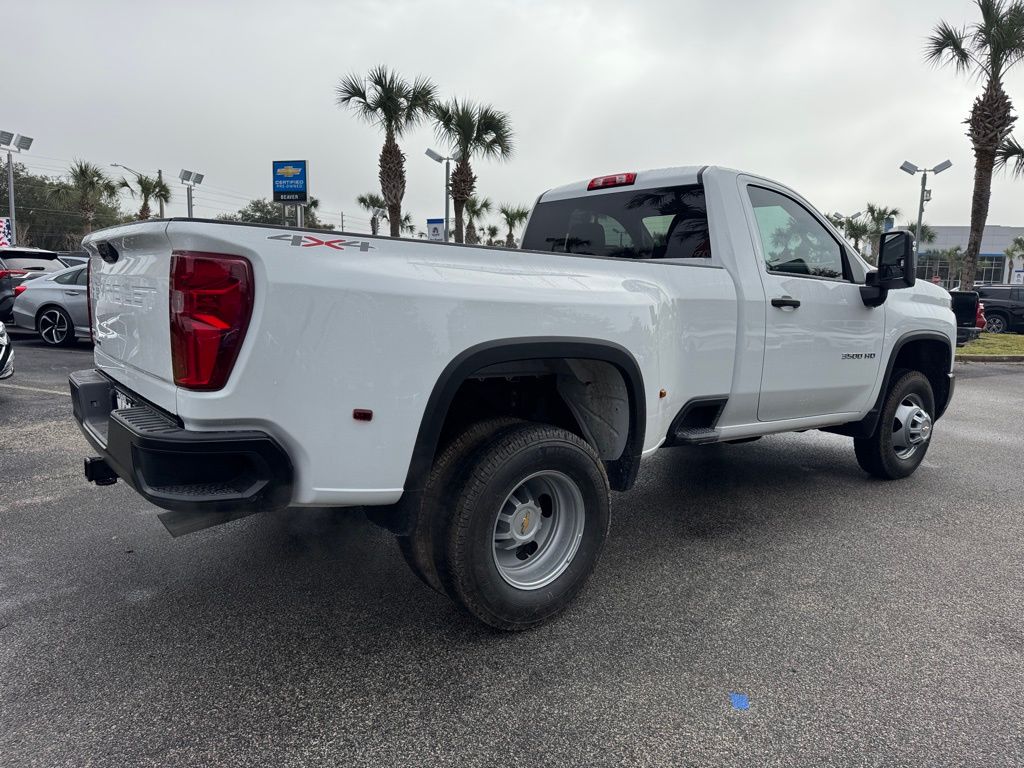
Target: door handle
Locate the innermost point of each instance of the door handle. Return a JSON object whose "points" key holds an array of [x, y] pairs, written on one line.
{"points": [[72, 293], [786, 301]]}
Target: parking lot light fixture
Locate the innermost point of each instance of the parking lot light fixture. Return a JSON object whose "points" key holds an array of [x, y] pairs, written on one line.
{"points": [[191, 180], [13, 143], [437, 157], [926, 194]]}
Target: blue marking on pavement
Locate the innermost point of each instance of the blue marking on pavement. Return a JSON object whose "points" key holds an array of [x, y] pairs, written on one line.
{"points": [[739, 701]]}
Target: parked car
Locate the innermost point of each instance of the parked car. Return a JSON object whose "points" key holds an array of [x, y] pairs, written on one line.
{"points": [[1004, 307], [56, 306], [17, 265], [6, 354], [481, 402]]}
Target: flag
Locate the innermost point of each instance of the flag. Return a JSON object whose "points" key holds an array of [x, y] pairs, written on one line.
{"points": [[6, 233]]}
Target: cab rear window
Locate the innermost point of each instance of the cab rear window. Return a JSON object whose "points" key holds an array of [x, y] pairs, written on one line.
{"points": [[660, 223]]}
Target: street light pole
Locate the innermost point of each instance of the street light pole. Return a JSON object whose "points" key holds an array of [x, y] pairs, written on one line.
{"points": [[909, 167], [920, 213], [447, 193], [10, 197], [19, 144], [437, 158], [190, 179]]}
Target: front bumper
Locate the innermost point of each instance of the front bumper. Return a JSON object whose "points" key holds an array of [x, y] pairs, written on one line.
{"points": [[203, 478]]}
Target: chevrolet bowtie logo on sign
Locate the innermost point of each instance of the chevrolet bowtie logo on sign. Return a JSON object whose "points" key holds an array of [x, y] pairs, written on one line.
{"points": [[291, 181]]}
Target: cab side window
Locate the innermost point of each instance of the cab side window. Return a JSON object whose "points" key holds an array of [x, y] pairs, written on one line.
{"points": [[792, 240]]}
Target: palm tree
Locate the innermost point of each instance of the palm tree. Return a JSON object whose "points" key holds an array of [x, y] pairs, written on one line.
{"points": [[514, 215], [374, 204], [492, 233], [385, 99], [470, 130], [87, 189], [475, 208], [927, 233], [874, 220], [147, 189], [405, 226], [986, 50]]}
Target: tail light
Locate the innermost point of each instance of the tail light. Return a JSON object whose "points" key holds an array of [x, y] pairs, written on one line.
{"points": [[615, 180], [211, 303], [12, 273], [19, 289]]}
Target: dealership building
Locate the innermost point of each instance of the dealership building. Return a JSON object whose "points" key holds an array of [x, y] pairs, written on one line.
{"points": [[993, 264]]}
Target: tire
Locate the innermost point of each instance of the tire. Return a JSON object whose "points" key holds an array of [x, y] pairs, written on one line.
{"points": [[55, 327], [418, 547], [903, 434], [997, 324], [514, 564]]}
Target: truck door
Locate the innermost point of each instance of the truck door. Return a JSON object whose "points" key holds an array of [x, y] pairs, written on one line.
{"points": [[822, 345]]}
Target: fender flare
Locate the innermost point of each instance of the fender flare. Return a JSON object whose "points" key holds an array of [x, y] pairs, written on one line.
{"points": [[621, 472]]}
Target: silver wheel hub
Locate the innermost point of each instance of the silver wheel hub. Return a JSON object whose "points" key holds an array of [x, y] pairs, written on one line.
{"points": [[912, 426], [538, 530]]}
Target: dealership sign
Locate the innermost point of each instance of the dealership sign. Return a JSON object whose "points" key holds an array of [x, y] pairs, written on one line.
{"points": [[291, 181]]}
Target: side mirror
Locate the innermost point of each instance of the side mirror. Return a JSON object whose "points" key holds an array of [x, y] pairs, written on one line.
{"points": [[897, 268]]}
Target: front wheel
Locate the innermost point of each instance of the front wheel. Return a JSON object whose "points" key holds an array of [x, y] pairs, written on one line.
{"points": [[904, 429], [527, 527]]}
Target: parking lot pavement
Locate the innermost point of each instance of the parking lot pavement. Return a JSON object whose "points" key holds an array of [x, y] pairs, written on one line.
{"points": [[867, 623]]}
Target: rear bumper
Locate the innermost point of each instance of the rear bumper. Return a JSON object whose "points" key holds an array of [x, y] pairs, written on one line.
{"points": [[965, 334], [210, 477]]}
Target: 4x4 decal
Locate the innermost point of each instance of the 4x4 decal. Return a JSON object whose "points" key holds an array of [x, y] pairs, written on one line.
{"points": [[309, 241]]}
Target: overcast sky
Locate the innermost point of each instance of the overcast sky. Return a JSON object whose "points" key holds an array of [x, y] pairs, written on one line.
{"points": [[827, 97]]}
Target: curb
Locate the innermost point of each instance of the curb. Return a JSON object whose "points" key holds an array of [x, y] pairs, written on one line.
{"points": [[990, 358]]}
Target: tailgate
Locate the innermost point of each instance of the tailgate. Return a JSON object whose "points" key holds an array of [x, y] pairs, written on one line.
{"points": [[965, 307], [129, 285]]}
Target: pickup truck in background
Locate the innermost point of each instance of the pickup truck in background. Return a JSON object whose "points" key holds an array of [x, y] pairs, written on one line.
{"points": [[481, 402]]}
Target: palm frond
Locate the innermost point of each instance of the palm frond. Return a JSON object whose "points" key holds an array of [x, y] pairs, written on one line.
{"points": [[1011, 155], [948, 45]]}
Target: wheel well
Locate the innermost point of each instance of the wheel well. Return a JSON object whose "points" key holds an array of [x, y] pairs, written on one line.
{"points": [[932, 358], [590, 387], [586, 397]]}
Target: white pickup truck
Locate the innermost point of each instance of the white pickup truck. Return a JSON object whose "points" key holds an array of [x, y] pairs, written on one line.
{"points": [[480, 402]]}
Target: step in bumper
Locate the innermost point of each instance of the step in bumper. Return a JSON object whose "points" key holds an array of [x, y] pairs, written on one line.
{"points": [[228, 474]]}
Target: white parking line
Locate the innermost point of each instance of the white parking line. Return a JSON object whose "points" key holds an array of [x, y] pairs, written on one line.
{"points": [[36, 389]]}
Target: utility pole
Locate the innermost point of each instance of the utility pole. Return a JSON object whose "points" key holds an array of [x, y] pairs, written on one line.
{"points": [[188, 195], [160, 178], [342, 221], [447, 194]]}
